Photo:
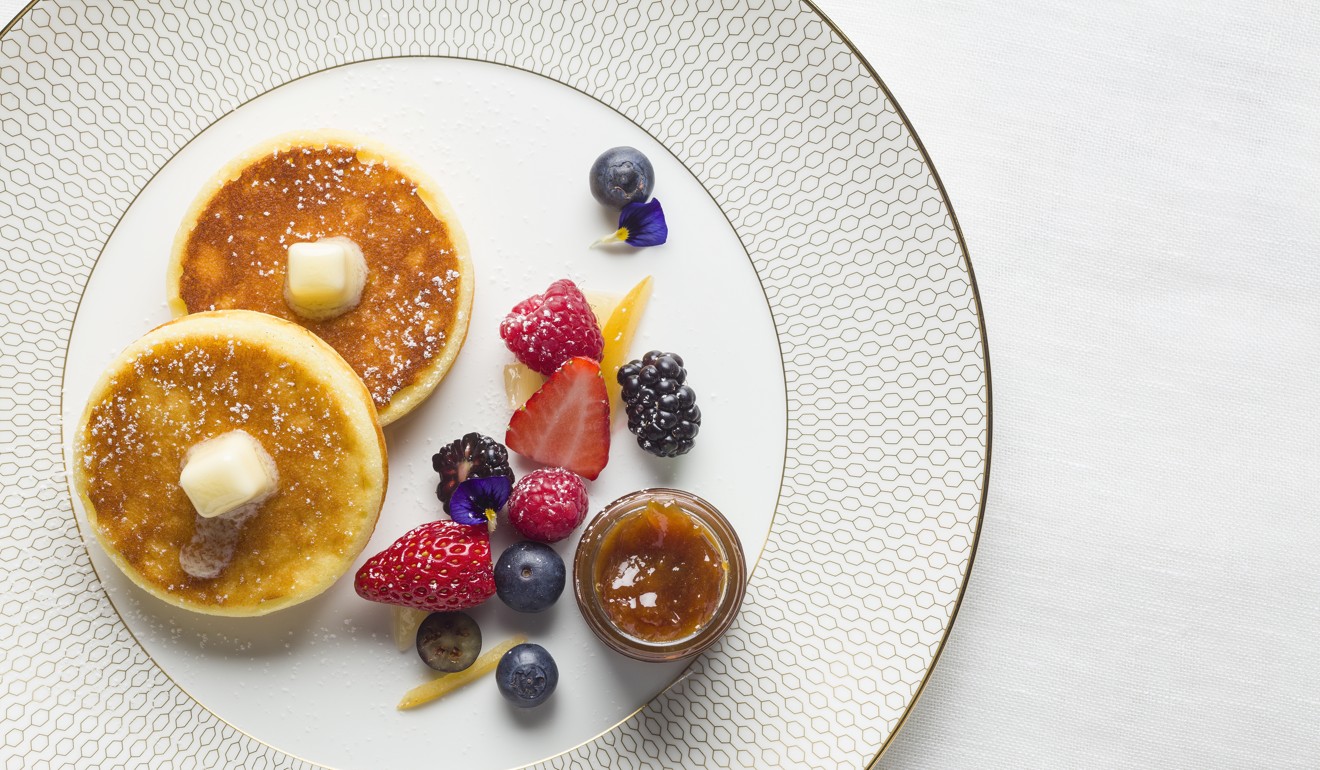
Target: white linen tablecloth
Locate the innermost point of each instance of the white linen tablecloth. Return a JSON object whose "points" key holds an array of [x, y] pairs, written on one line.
{"points": [[1139, 186]]}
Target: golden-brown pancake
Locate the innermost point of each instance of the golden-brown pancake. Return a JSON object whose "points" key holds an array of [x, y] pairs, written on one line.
{"points": [[231, 252], [198, 377]]}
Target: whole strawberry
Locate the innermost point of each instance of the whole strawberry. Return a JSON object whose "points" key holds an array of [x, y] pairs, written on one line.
{"points": [[548, 504], [545, 330], [438, 567]]}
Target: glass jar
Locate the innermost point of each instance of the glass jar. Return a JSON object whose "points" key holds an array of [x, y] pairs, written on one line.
{"points": [[605, 541]]}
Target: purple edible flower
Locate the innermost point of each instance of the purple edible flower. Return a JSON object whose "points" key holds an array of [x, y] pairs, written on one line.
{"points": [[640, 224], [477, 501]]}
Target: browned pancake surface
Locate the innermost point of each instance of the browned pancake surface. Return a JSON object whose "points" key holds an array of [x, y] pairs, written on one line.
{"points": [[174, 395], [236, 256]]}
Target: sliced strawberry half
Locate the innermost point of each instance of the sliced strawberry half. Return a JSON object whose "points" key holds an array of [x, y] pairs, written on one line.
{"points": [[567, 422]]}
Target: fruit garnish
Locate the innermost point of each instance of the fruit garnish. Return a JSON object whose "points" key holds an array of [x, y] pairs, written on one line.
{"points": [[449, 641], [602, 304], [640, 224], [529, 577], [478, 501], [547, 505], [405, 621], [446, 683], [527, 675], [567, 422], [438, 567], [618, 332], [473, 456], [621, 175], [662, 408], [545, 330], [520, 383]]}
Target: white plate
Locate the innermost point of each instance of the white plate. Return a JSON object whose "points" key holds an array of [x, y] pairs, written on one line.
{"points": [[814, 282]]}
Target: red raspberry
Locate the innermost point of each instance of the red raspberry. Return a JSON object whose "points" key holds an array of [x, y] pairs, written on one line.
{"points": [[548, 504], [545, 330]]}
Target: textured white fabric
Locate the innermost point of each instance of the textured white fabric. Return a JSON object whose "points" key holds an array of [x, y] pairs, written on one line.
{"points": [[1139, 186]]}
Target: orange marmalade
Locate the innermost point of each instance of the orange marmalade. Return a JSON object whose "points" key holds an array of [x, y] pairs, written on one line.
{"points": [[660, 574]]}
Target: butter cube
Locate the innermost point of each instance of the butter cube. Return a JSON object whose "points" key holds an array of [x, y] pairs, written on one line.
{"points": [[227, 472], [324, 278]]}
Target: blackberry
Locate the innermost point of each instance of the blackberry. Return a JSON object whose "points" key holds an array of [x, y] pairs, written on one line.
{"points": [[662, 408], [472, 457]]}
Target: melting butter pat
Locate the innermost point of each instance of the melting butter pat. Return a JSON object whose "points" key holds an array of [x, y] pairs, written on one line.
{"points": [[228, 472], [324, 278]]}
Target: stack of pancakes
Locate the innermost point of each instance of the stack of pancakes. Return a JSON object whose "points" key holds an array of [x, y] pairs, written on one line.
{"points": [[313, 393]]}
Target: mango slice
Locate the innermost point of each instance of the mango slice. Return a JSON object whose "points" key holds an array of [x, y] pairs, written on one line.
{"points": [[405, 622], [520, 382], [618, 332], [602, 304], [446, 683]]}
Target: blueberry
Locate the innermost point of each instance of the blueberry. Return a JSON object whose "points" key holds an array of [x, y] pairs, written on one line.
{"points": [[527, 675], [529, 576], [622, 175], [448, 641]]}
